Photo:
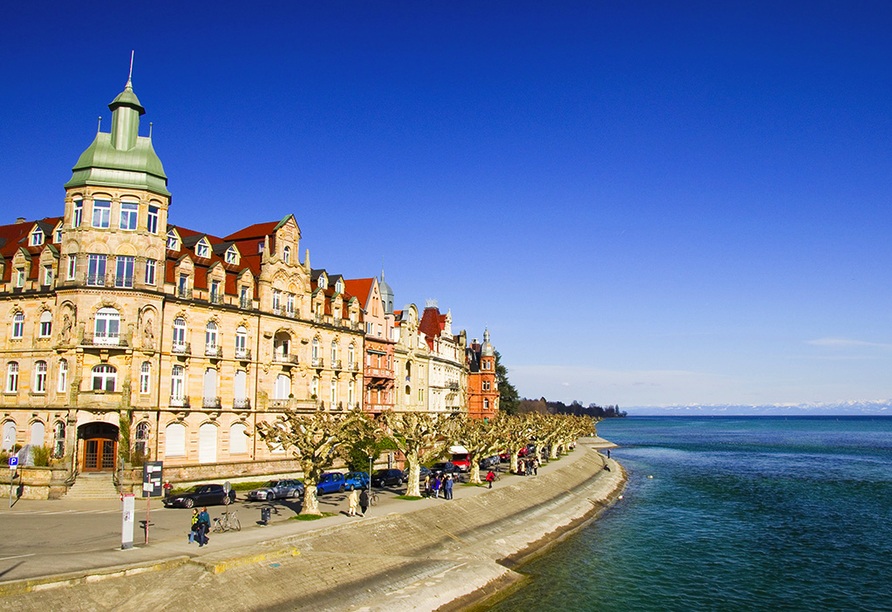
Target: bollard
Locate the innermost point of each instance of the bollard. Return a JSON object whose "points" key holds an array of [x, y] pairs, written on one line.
{"points": [[264, 516]]}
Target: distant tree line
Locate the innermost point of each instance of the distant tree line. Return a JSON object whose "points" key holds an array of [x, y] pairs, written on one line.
{"points": [[543, 406]]}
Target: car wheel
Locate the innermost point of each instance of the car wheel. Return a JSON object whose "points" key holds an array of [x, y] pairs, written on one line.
{"points": [[350, 488], [188, 502], [295, 494], [341, 489]]}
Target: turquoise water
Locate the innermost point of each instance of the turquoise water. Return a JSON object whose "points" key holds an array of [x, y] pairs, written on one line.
{"points": [[746, 513]]}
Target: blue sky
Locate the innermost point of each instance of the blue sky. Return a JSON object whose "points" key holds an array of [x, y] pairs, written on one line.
{"points": [[646, 203]]}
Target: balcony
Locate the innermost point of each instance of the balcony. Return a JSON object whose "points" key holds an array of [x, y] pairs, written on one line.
{"points": [[287, 358], [105, 341], [353, 366], [318, 362], [211, 402], [452, 385], [184, 294], [213, 351], [243, 353], [294, 404], [241, 404], [179, 402], [216, 298], [336, 364], [292, 313], [246, 304], [181, 348]]}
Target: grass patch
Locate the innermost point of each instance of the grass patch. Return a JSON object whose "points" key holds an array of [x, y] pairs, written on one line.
{"points": [[409, 497], [310, 517], [472, 484]]}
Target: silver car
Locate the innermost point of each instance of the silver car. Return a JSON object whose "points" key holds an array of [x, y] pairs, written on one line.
{"points": [[277, 489]]}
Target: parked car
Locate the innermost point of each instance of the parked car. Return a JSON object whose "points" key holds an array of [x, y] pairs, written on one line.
{"points": [[422, 472], [489, 462], [277, 489], [356, 480], [331, 482], [461, 461], [445, 467], [387, 478], [200, 495]]}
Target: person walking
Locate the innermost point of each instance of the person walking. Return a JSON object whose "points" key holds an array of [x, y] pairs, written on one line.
{"points": [[354, 502], [364, 501], [535, 467], [437, 485], [204, 524], [427, 485], [193, 527], [447, 485], [167, 488], [490, 477]]}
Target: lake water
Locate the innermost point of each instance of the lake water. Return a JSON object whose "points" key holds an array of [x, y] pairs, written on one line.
{"points": [[732, 514]]}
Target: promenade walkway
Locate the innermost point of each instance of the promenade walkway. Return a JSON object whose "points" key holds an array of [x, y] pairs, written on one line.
{"points": [[410, 555]]}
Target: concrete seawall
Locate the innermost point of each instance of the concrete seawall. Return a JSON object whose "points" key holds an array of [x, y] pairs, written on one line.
{"points": [[443, 557]]}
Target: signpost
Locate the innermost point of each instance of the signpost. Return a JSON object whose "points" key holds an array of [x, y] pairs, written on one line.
{"points": [[151, 486], [13, 462]]}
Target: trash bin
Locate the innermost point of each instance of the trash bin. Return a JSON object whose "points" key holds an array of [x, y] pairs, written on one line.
{"points": [[264, 516]]}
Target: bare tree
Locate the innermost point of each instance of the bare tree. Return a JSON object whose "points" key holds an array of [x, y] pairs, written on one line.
{"points": [[313, 439], [481, 439], [420, 436]]}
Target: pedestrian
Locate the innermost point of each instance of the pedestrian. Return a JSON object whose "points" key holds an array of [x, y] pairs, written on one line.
{"points": [[167, 488], [427, 485], [535, 467], [490, 477], [204, 524], [448, 486], [608, 453], [193, 527], [354, 502], [364, 501], [437, 486]]}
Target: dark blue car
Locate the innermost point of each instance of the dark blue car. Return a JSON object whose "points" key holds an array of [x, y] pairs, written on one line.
{"points": [[332, 482]]}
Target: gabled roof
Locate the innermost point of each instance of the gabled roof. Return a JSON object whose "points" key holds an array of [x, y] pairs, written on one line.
{"points": [[361, 288]]}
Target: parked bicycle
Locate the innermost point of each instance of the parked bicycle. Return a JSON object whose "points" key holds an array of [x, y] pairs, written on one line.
{"points": [[373, 498], [229, 521]]}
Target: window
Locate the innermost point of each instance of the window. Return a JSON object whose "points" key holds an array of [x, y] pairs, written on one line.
{"points": [[101, 213], [260, 247], [72, 266], [104, 377], [129, 214], [175, 440], [12, 377], [63, 376], [172, 242], [96, 270], [47, 276], [351, 356], [421, 395], [283, 387], [78, 217], [150, 272], [40, 377], [241, 342], [18, 325], [142, 439], [314, 388], [179, 334], [277, 300], [59, 439], [244, 300], [38, 433], [334, 392], [334, 352], [124, 271], [210, 336], [20, 277], [46, 324], [231, 256], [350, 393], [152, 220], [177, 384], [485, 404], [238, 441], [339, 286], [286, 254], [107, 326], [58, 235], [202, 250], [486, 385], [36, 238], [289, 308], [8, 436], [145, 377], [215, 292], [183, 283], [315, 350]]}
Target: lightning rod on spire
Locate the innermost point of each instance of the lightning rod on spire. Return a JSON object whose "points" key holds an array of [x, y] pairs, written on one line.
{"points": [[130, 76]]}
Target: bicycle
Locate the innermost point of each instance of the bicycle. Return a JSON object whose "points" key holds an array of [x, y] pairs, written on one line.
{"points": [[373, 499], [229, 521]]}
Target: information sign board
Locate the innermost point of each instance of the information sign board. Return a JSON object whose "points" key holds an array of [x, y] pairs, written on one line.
{"points": [[151, 479]]}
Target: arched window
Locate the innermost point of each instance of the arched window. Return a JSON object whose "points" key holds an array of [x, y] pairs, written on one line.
{"points": [[350, 393], [210, 336], [145, 377], [38, 432], [334, 392], [107, 326], [485, 404], [334, 352], [207, 443], [12, 377], [286, 254], [63, 376], [18, 325], [314, 388], [351, 356], [283, 387], [59, 439], [40, 377], [315, 351], [177, 386], [46, 324], [179, 335], [175, 440], [9, 434], [140, 447], [78, 216], [104, 377], [241, 342], [238, 441]]}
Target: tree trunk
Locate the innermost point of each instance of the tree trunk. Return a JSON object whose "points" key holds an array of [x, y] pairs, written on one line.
{"points": [[516, 459], [475, 472], [311, 502], [413, 488], [554, 450]]}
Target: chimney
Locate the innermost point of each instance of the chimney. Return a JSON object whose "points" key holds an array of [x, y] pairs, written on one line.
{"points": [[20, 220]]}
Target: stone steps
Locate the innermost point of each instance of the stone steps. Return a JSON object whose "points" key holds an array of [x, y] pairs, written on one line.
{"points": [[93, 486]]}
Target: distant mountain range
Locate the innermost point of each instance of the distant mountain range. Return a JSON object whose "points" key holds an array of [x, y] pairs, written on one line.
{"points": [[855, 407]]}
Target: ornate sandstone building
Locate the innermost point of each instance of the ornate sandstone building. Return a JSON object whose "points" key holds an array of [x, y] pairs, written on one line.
{"points": [[120, 328]]}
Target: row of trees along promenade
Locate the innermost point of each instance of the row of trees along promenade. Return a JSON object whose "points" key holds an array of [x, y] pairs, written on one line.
{"points": [[319, 438]]}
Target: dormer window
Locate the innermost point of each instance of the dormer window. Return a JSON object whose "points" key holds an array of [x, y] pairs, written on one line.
{"points": [[231, 256], [36, 237], [339, 286], [260, 247], [57, 237], [173, 243], [202, 249], [322, 282], [286, 254]]}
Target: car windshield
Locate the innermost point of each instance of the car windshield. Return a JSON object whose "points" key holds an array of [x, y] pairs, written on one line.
{"points": [[195, 489], [274, 483]]}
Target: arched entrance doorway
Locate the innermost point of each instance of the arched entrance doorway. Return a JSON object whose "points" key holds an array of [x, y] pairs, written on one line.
{"points": [[99, 446]]}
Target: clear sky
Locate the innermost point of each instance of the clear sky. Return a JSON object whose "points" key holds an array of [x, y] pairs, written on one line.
{"points": [[645, 203]]}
